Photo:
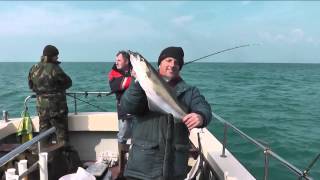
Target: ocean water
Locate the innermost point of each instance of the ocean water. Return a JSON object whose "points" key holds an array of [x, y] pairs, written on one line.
{"points": [[277, 104]]}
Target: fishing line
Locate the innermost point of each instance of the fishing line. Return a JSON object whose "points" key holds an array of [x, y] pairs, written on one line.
{"points": [[218, 52], [98, 107]]}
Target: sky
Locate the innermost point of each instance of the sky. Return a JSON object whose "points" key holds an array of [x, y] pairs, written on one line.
{"points": [[94, 31]]}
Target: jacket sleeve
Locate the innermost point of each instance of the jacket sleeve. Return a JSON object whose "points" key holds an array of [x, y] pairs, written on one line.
{"points": [[30, 83], [118, 83], [62, 80], [200, 106], [115, 84], [134, 100]]}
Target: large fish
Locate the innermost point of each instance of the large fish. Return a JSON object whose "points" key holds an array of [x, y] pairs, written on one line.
{"points": [[160, 96]]}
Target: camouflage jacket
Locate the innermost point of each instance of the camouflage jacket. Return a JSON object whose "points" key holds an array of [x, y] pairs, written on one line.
{"points": [[48, 78]]}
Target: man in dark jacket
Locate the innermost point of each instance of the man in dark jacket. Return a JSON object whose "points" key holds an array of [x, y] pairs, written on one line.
{"points": [[119, 81], [160, 142], [50, 82]]}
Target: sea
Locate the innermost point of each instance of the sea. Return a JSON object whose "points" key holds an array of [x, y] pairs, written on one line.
{"points": [[277, 104]]}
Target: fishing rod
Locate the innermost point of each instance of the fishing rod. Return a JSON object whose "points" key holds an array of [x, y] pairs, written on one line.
{"points": [[96, 106], [218, 52], [305, 172], [86, 93]]}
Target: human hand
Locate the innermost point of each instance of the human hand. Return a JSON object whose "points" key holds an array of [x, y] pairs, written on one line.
{"points": [[192, 120]]}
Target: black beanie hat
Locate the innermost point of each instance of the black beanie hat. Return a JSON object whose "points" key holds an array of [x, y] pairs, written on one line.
{"points": [[50, 51], [174, 52]]}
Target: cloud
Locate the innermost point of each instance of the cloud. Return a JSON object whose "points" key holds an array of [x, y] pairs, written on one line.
{"points": [[138, 6], [80, 33], [63, 20], [24, 20], [293, 36], [182, 20], [245, 2], [95, 30]]}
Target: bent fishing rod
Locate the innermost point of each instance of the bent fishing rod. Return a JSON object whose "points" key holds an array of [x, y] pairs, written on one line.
{"points": [[218, 52]]}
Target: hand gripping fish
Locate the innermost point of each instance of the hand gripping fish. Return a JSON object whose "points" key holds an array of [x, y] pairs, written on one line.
{"points": [[160, 96]]}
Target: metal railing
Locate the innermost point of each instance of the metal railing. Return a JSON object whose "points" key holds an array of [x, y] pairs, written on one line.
{"points": [[14, 153], [86, 93], [75, 98], [41, 164], [266, 150]]}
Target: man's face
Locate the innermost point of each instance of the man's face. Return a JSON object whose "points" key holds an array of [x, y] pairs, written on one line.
{"points": [[121, 62], [55, 58], [169, 68]]}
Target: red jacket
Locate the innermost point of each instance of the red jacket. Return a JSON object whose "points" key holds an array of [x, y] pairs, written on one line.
{"points": [[119, 81]]}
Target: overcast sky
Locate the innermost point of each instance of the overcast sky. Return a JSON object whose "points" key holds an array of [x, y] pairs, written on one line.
{"points": [[287, 31]]}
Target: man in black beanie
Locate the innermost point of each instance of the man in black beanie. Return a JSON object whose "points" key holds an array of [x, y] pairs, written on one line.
{"points": [[174, 52], [160, 142], [49, 82], [170, 62]]}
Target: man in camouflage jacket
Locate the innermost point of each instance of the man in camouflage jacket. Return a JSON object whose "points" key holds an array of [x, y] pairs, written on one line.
{"points": [[50, 82]]}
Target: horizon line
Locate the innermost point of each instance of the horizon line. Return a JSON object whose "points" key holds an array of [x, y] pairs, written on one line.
{"points": [[156, 61]]}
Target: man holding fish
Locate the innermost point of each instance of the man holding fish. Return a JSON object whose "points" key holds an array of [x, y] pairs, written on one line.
{"points": [[165, 110]]}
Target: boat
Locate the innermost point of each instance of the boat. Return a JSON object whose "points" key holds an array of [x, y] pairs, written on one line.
{"points": [[94, 134]]}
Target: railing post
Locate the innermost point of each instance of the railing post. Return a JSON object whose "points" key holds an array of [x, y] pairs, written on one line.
{"points": [[267, 151], [39, 146], [5, 116], [43, 166], [266, 163], [75, 103], [22, 167], [12, 154], [224, 140]]}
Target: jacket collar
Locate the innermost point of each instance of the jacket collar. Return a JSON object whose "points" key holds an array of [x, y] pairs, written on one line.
{"points": [[181, 87], [114, 67], [46, 59]]}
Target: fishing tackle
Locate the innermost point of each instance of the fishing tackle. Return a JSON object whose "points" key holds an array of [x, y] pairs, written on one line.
{"points": [[218, 52]]}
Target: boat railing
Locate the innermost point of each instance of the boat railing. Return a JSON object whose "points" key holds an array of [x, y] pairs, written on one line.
{"points": [[266, 150], [86, 93], [42, 163], [75, 97]]}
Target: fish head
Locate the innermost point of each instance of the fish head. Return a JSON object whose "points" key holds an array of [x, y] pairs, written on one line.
{"points": [[140, 65]]}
